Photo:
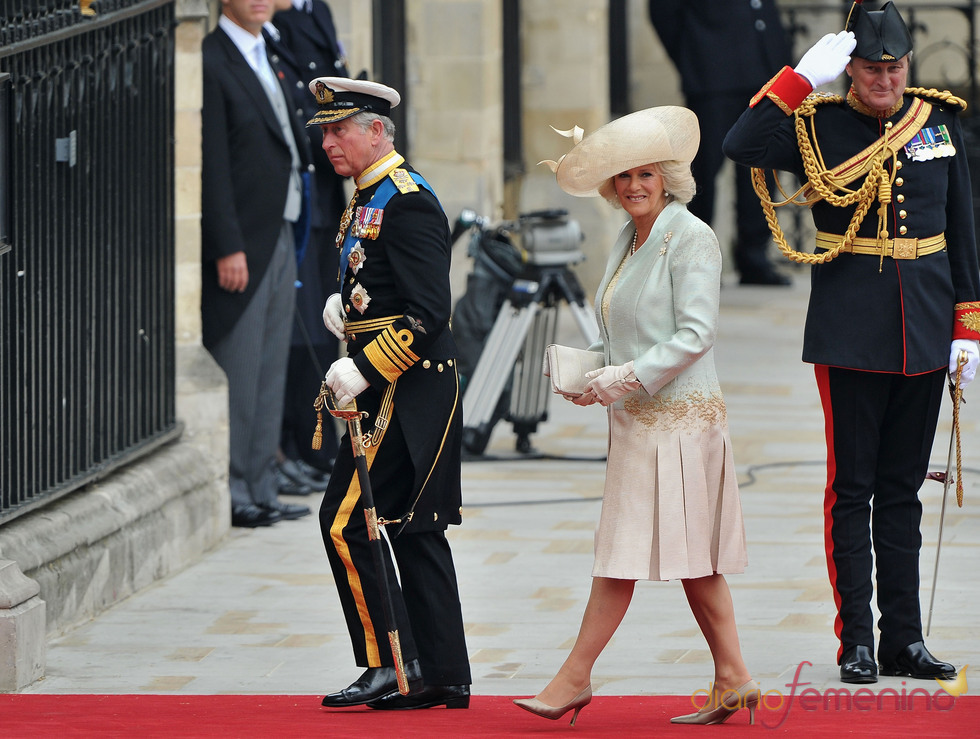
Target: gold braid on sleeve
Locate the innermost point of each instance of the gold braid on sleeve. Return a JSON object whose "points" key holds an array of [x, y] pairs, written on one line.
{"points": [[824, 185]]}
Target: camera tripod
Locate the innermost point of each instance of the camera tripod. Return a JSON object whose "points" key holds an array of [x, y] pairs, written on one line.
{"points": [[526, 323]]}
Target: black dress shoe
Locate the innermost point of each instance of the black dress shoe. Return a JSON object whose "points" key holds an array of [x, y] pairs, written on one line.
{"points": [[915, 661], [288, 511], [450, 696], [857, 665], [305, 474], [250, 516], [768, 276], [288, 486], [375, 683]]}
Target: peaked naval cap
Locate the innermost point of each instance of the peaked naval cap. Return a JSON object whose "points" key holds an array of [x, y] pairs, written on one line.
{"points": [[339, 98]]}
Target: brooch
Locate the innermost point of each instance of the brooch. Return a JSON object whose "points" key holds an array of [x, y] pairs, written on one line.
{"points": [[663, 249]]}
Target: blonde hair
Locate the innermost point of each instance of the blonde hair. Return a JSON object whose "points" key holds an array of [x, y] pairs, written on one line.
{"points": [[678, 183]]}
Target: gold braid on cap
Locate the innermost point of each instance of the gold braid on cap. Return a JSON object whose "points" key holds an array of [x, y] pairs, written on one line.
{"points": [[824, 185]]}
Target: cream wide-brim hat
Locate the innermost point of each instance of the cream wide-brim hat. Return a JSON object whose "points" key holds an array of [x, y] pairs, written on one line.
{"points": [[661, 134]]}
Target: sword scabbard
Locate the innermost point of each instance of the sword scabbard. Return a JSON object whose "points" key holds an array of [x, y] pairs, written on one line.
{"points": [[396, 653]]}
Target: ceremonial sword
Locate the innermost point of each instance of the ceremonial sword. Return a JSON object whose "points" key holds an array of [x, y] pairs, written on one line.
{"points": [[956, 393], [350, 414]]}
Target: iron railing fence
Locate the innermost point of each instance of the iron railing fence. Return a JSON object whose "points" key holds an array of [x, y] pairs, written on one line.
{"points": [[87, 278]]}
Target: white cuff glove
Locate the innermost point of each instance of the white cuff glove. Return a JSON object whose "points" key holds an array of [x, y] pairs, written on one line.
{"points": [[972, 360], [345, 380], [333, 316], [612, 382], [827, 58]]}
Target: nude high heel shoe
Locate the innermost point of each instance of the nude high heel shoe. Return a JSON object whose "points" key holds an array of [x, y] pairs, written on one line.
{"points": [[748, 696], [538, 708]]}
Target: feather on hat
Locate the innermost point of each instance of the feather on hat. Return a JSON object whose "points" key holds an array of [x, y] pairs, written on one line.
{"points": [[661, 134]]}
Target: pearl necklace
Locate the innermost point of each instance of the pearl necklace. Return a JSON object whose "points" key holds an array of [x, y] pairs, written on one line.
{"points": [[633, 245]]}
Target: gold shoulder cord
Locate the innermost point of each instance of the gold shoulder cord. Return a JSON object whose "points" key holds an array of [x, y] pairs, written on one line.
{"points": [[876, 186], [825, 185]]}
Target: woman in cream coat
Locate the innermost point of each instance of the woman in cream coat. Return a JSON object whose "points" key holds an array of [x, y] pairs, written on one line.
{"points": [[670, 505]]}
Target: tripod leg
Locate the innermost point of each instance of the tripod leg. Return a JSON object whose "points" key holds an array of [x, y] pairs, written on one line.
{"points": [[492, 372], [582, 310], [531, 389], [585, 318]]}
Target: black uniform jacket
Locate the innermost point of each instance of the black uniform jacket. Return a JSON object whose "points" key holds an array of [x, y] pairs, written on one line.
{"points": [[404, 275], [721, 45], [245, 176], [898, 319]]}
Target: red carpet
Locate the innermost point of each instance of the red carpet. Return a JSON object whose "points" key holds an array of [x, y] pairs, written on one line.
{"points": [[214, 716]]}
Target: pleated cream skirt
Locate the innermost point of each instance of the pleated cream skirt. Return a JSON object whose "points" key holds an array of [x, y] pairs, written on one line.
{"points": [[670, 507]]}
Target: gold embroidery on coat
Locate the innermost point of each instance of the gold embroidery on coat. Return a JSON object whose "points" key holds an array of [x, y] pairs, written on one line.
{"points": [[692, 411]]}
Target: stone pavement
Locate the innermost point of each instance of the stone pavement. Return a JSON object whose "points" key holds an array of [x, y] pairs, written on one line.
{"points": [[259, 613]]}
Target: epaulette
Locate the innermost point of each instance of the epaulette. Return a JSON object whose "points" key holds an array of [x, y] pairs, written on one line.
{"points": [[809, 105], [822, 98], [943, 96], [403, 181]]}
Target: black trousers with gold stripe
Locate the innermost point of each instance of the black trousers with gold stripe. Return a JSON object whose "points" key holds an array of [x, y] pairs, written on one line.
{"points": [[427, 605], [880, 429]]}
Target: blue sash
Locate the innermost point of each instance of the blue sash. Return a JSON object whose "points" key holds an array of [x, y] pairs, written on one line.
{"points": [[382, 195]]}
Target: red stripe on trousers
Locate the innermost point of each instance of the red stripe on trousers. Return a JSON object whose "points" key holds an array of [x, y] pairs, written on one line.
{"points": [[822, 374]]}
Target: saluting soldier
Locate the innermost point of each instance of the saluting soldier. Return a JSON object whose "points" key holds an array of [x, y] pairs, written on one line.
{"points": [[893, 302], [393, 311]]}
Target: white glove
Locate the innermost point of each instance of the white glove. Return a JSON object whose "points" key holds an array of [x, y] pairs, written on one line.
{"points": [[827, 58], [346, 381], [612, 382], [333, 316], [972, 360]]}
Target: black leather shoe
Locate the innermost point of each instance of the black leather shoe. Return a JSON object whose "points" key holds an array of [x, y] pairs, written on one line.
{"points": [[915, 661], [288, 511], [450, 696], [764, 277], [375, 683], [304, 474], [288, 486], [251, 516], [857, 665]]}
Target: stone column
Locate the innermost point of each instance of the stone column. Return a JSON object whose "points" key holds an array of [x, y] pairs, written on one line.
{"points": [[202, 400], [566, 83], [455, 123], [23, 644]]}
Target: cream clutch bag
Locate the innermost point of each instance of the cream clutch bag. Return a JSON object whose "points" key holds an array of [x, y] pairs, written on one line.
{"points": [[568, 367]]}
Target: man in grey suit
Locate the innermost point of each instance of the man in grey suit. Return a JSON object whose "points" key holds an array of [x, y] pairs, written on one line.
{"points": [[254, 150]]}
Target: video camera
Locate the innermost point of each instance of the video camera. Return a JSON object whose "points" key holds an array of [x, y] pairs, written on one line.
{"points": [[541, 237], [550, 237]]}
